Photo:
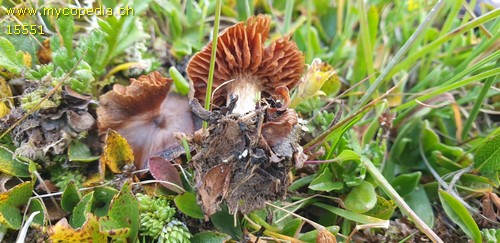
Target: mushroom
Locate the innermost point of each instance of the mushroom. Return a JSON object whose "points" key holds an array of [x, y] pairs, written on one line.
{"points": [[244, 67], [146, 114]]}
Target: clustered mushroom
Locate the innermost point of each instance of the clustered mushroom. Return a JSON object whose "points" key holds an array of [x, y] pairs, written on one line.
{"points": [[244, 67], [146, 114]]}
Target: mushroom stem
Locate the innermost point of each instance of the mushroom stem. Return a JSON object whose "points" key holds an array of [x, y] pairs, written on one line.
{"points": [[248, 93]]}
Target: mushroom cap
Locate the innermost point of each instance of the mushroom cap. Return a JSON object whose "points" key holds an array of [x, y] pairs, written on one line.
{"points": [[241, 54], [146, 114]]}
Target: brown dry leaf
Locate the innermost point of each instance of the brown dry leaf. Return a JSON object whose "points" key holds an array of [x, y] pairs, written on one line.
{"points": [[44, 53], [162, 169], [89, 232], [214, 188], [274, 132], [117, 152], [282, 94], [324, 236], [488, 210]]}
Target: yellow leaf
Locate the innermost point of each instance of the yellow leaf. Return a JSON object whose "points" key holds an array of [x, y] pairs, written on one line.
{"points": [[5, 98], [117, 152], [395, 98], [27, 59], [89, 232], [320, 79], [94, 179]]}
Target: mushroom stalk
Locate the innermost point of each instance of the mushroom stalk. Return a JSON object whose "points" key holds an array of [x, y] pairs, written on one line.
{"points": [[248, 93]]}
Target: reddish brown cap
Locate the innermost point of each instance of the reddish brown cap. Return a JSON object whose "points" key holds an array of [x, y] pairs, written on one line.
{"points": [[241, 55], [146, 114]]}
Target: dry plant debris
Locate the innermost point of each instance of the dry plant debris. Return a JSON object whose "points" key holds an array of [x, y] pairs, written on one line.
{"points": [[245, 160]]}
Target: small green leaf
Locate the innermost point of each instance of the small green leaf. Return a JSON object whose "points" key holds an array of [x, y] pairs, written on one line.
{"points": [[362, 198], [291, 227], [383, 209], [36, 205], [324, 182], [11, 201], [347, 154], [81, 210], [9, 58], [70, 197], [79, 152], [491, 235], [210, 237], [487, 157], [65, 23], [405, 183], [187, 204], [224, 222], [102, 200], [405, 150], [181, 84], [419, 202], [124, 209], [297, 184], [356, 217], [312, 235], [459, 215], [11, 165]]}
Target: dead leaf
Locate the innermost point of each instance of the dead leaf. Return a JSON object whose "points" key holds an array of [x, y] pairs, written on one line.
{"points": [[117, 152], [89, 232], [44, 53], [96, 178], [282, 94], [80, 121], [163, 170], [488, 210], [214, 188], [324, 236], [276, 131]]}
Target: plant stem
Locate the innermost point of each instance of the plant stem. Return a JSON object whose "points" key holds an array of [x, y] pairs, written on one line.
{"points": [[397, 58], [384, 184], [247, 8], [441, 40], [449, 87], [288, 15], [477, 104], [213, 57]]}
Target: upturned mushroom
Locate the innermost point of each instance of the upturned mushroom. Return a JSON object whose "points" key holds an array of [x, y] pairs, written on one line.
{"points": [[146, 114], [245, 67]]}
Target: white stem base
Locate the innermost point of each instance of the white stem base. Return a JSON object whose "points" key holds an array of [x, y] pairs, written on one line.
{"points": [[248, 94]]}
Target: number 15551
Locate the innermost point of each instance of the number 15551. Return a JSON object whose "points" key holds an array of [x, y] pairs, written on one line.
{"points": [[24, 29]]}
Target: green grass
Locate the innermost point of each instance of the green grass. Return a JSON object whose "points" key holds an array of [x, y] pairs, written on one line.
{"points": [[430, 64]]}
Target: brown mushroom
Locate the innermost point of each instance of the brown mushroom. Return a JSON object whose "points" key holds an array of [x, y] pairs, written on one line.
{"points": [[244, 66], [146, 114]]}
